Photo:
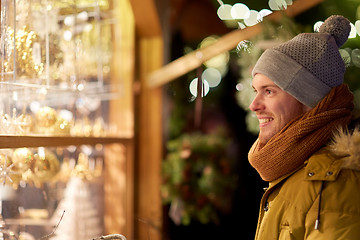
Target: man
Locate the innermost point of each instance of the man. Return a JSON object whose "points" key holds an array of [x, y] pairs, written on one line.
{"points": [[301, 101]]}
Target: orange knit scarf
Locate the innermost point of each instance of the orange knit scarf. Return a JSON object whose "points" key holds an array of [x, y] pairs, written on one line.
{"points": [[301, 137]]}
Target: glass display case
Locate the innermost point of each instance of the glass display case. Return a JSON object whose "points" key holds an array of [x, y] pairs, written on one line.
{"points": [[55, 90]]}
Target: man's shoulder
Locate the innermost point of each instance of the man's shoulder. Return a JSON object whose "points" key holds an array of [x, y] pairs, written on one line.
{"points": [[336, 160]]}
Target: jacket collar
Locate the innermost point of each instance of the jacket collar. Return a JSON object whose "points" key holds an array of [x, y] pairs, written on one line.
{"points": [[343, 152], [323, 166]]}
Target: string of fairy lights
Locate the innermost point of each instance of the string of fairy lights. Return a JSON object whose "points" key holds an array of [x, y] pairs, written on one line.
{"points": [[241, 16]]}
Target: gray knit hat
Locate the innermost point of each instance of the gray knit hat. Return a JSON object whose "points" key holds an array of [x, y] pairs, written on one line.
{"points": [[309, 65]]}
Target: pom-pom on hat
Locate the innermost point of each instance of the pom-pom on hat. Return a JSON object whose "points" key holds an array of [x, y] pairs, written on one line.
{"points": [[309, 65]]}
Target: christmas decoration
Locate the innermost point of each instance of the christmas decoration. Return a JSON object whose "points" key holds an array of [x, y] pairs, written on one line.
{"points": [[26, 43], [17, 125], [46, 117], [49, 122], [24, 165], [198, 178], [7, 173], [81, 219], [46, 165]]}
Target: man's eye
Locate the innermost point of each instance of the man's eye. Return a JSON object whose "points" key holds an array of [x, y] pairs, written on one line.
{"points": [[268, 91]]}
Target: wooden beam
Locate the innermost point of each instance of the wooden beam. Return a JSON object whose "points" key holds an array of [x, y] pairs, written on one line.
{"points": [[148, 204], [228, 42], [146, 18], [119, 158], [13, 141]]}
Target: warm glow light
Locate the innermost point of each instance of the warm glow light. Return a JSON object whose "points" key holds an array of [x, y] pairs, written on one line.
{"points": [[224, 12], [357, 27], [277, 4], [80, 87], [263, 13], [83, 16], [212, 76], [41, 152], [35, 106], [355, 57], [240, 11], [69, 20], [15, 96], [352, 31], [346, 56], [317, 26], [218, 60], [241, 25], [252, 19], [67, 35], [193, 87]]}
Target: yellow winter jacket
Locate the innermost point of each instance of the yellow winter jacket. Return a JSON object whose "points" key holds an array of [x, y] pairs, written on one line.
{"points": [[319, 201]]}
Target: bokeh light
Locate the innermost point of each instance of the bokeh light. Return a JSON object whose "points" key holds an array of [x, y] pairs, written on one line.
{"points": [[193, 87], [240, 11], [252, 19], [224, 12], [212, 76], [355, 57], [277, 4], [217, 61], [245, 16], [357, 27], [241, 25], [245, 92], [263, 13], [354, 28], [67, 35], [345, 55], [352, 31], [317, 26]]}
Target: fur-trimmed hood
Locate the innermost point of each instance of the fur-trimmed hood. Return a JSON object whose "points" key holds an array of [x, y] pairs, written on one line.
{"points": [[346, 145]]}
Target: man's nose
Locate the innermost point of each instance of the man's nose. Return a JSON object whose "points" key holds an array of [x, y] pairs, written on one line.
{"points": [[256, 104]]}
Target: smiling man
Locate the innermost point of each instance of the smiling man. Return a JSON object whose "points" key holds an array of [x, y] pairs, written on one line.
{"points": [[273, 107], [305, 149]]}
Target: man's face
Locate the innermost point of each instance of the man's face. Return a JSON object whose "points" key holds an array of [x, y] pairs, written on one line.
{"points": [[273, 107]]}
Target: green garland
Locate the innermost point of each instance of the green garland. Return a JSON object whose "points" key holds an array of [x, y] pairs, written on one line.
{"points": [[198, 178]]}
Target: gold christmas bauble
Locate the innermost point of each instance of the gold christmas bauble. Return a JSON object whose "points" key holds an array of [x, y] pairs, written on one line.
{"points": [[46, 117], [23, 159], [46, 165], [61, 127]]}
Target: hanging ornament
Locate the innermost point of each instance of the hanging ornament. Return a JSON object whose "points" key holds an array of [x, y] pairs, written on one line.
{"points": [[46, 165], [23, 159], [28, 53], [17, 125], [48, 121], [46, 117], [61, 127], [81, 169], [7, 174]]}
